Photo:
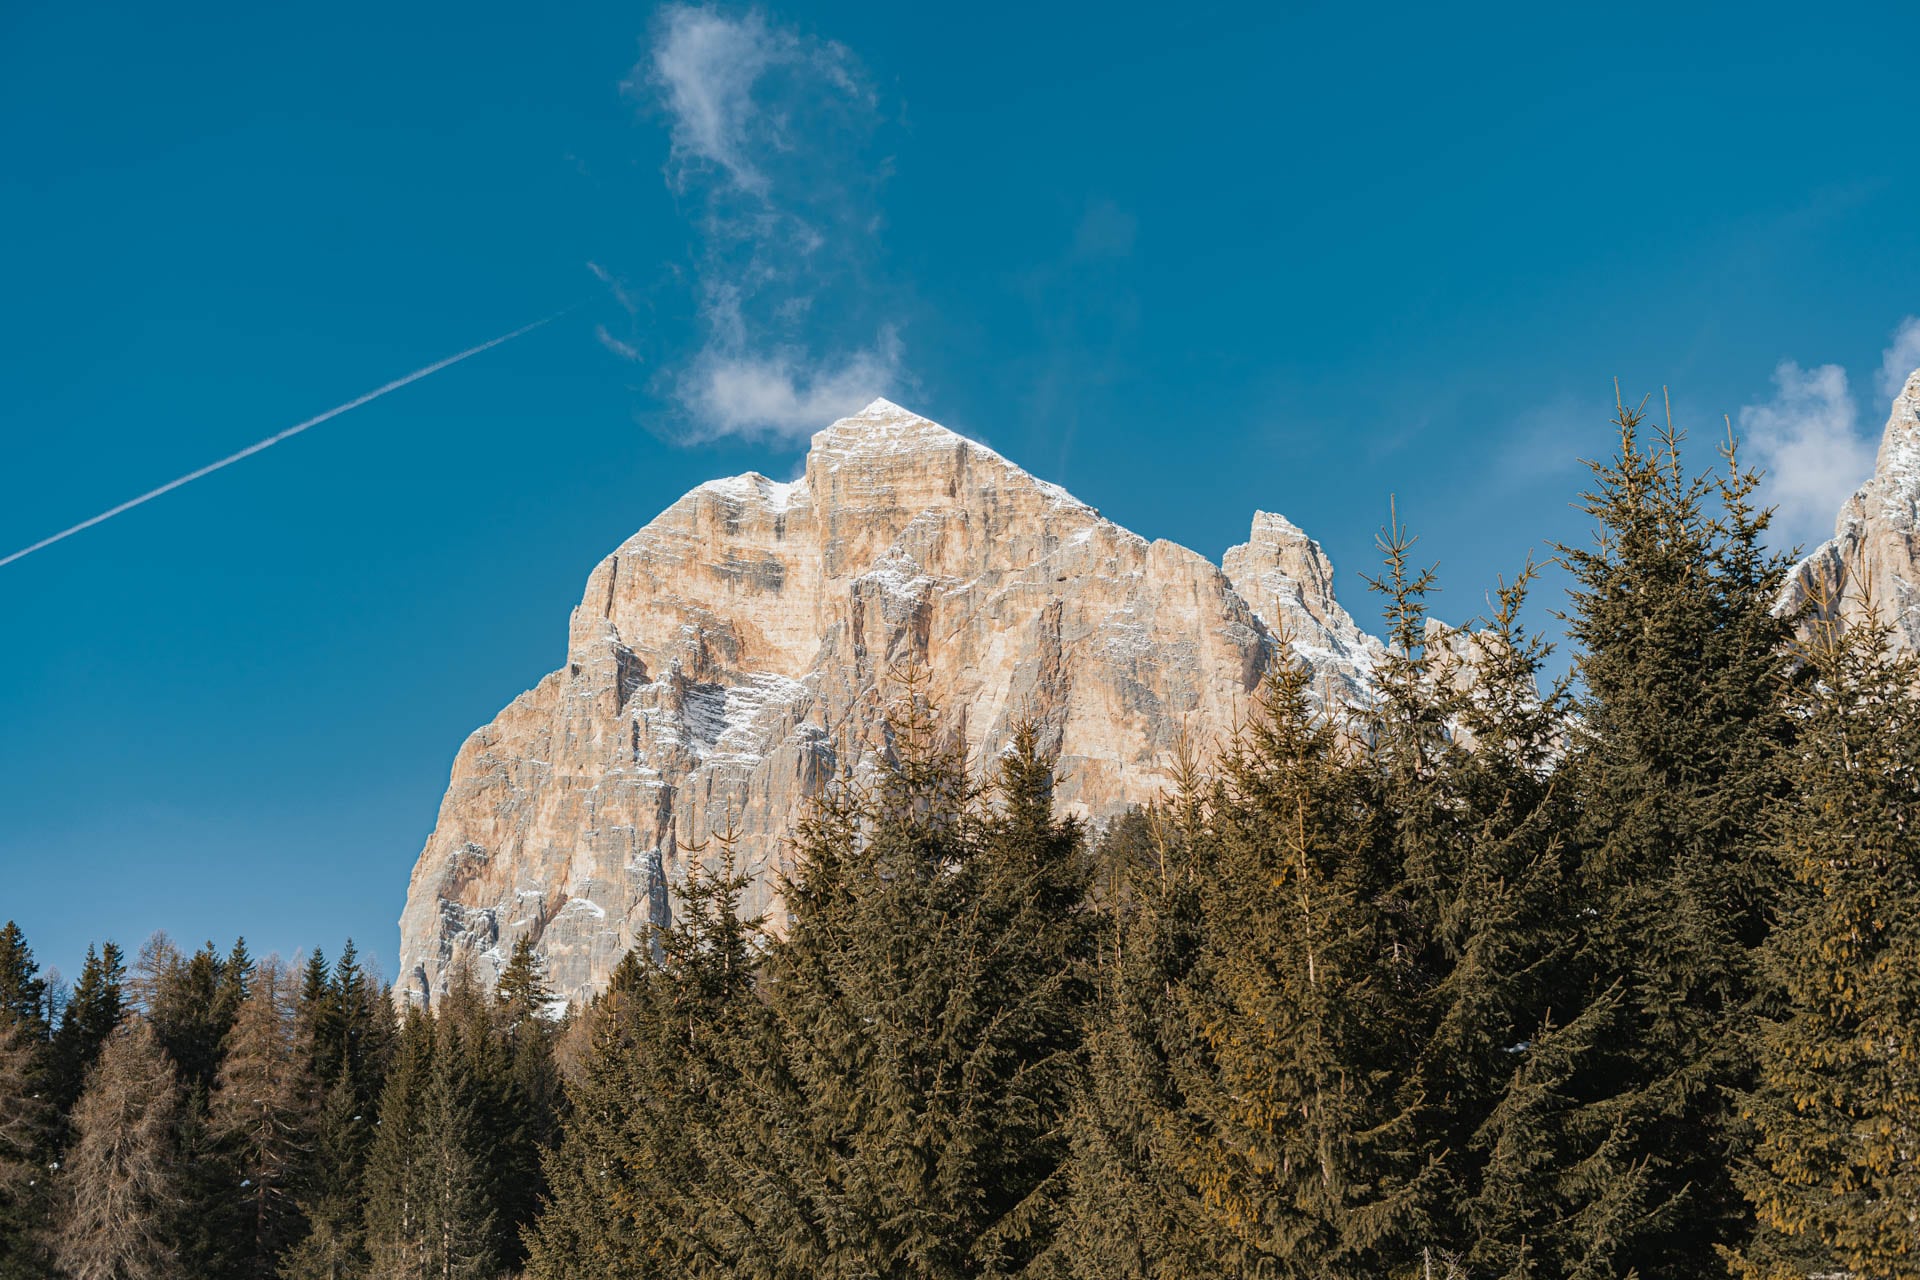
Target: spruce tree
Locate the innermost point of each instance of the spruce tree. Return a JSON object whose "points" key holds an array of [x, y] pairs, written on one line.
{"points": [[641, 1177], [459, 1237], [532, 1094], [1835, 1175], [1674, 760], [919, 1025], [348, 1025], [28, 1128], [93, 1012], [333, 1203], [1428, 915], [1500, 1055], [1293, 1130], [395, 1180], [1129, 1214], [236, 978], [358, 1028], [23, 992], [25, 1140], [469, 1027], [184, 1002], [260, 1115], [313, 1009], [590, 1226], [428, 1204], [117, 1186]]}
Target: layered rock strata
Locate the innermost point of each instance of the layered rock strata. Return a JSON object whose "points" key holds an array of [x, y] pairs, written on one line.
{"points": [[741, 650], [1873, 559]]}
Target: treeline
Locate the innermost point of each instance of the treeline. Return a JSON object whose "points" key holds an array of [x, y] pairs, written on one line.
{"points": [[207, 1116], [1493, 977]]}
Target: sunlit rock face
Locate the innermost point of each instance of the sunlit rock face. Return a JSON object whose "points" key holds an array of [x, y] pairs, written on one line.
{"points": [[1873, 559], [740, 651]]}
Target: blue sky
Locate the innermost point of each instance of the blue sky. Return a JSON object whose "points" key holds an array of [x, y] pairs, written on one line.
{"points": [[1187, 262]]}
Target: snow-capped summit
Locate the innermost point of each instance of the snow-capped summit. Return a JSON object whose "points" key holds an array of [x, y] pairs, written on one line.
{"points": [[741, 650]]}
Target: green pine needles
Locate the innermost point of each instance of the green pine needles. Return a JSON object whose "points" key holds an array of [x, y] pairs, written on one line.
{"points": [[1495, 977]]}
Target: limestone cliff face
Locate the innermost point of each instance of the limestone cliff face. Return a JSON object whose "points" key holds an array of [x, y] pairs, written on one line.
{"points": [[1874, 554], [737, 653]]}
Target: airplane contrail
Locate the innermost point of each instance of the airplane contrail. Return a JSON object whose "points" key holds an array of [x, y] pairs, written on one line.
{"points": [[276, 438]]}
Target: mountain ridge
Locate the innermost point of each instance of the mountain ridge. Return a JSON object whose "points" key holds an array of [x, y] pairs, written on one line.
{"points": [[733, 655]]}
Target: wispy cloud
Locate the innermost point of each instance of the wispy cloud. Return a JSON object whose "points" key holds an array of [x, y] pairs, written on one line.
{"points": [[615, 287], [625, 350], [1901, 358], [771, 131], [1807, 437], [1548, 440], [781, 394]]}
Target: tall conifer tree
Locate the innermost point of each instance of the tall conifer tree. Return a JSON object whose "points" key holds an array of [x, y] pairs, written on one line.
{"points": [[23, 992], [1835, 1175], [261, 1115], [1129, 1214], [333, 1200], [93, 1011], [395, 1181], [1297, 1139], [25, 1139], [1675, 758], [118, 1192], [919, 1039], [640, 1185]]}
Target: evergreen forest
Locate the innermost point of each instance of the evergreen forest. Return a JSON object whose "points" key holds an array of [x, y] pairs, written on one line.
{"points": [[1506, 974]]}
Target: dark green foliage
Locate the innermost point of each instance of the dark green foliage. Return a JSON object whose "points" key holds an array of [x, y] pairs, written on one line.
{"points": [[459, 1236], [428, 1210], [431, 1195], [93, 1011], [925, 1011], [28, 1122], [394, 1178], [346, 1024], [26, 1133], [1675, 760], [1131, 1214], [192, 1006], [260, 1118], [332, 1203], [1479, 979], [640, 1180], [1283, 1122], [530, 1094], [347, 1021], [23, 992], [1834, 1174]]}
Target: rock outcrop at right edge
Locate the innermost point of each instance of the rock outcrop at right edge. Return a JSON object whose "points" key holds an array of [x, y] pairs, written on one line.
{"points": [[1873, 559]]}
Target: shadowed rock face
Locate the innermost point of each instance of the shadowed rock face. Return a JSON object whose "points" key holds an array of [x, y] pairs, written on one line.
{"points": [[1874, 554], [737, 653]]}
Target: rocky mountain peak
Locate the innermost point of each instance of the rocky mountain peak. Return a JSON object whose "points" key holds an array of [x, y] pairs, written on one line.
{"points": [[742, 649], [1872, 562], [1288, 580]]}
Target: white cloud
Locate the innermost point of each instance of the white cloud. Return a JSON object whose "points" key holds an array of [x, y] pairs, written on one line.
{"points": [[614, 286], [1901, 358], [783, 395], [705, 65], [769, 130], [1808, 440], [625, 350]]}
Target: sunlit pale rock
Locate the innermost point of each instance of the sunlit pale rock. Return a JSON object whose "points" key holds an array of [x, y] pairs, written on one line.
{"points": [[740, 651], [1873, 558]]}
